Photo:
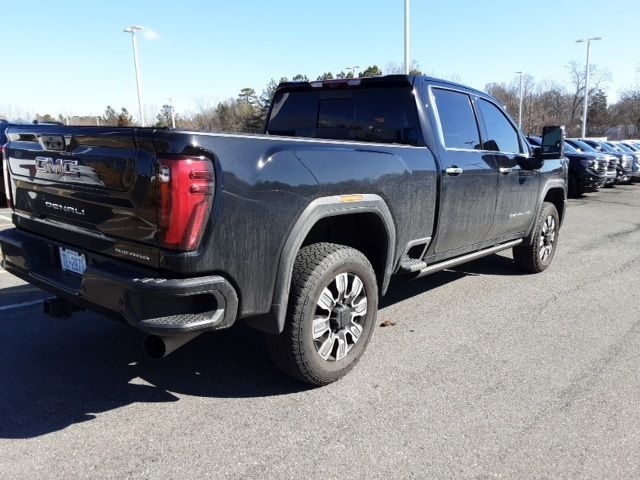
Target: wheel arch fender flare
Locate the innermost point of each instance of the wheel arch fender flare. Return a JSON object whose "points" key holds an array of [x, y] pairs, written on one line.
{"points": [[317, 210], [551, 184]]}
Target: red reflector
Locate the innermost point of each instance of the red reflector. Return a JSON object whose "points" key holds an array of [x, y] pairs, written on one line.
{"points": [[185, 192]]}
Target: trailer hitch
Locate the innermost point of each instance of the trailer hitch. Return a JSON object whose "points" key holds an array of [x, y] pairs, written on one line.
{"points": [[59, 307]]}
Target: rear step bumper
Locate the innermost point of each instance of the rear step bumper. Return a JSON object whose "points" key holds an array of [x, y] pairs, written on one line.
{"points": [[135, 294]]}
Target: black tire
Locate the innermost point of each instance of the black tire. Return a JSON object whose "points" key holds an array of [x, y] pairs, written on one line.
{"points": [[574, 190], [529, 256], [295, 351]]}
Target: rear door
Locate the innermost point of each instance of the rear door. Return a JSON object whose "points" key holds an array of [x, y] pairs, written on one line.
{"points": [[517, 188], [86, 186], [469, 181]]}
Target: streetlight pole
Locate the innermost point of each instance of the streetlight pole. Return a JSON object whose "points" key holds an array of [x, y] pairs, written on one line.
{"points": [[407, 46], [173, 113], [132, 30], [586, 82], [353, 70], [521, 101]]}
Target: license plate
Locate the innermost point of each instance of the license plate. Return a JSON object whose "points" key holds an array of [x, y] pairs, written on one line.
{"points": [[72, 261]]}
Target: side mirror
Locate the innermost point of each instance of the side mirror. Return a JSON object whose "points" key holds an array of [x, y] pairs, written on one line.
{"points": [[553, 142], [534, 162]]}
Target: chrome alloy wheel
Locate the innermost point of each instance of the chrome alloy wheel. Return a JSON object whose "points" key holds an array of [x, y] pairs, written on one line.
{"points": [[547, 238], [339, 316]]}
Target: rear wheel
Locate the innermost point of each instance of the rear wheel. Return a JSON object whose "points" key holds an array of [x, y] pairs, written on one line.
{"points": [[574, 189], [332, 311], [536, 256]]}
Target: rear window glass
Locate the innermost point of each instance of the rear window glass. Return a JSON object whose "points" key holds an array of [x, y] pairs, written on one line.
{"points": [[380, 115]]}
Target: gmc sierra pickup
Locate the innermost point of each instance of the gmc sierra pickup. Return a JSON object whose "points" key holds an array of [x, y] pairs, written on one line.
{"points": [[298, 231], [3, 185]]}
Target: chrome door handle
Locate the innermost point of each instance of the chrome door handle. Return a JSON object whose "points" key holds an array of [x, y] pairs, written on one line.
{"points": [[505, 170], [454, 171]]}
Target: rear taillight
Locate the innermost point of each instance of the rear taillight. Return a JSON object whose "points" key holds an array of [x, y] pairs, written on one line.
{"points": [[5, 176], [185, 193]]}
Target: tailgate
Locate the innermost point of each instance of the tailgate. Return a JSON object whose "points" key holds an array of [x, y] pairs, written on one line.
{"points": [[89, 185]]}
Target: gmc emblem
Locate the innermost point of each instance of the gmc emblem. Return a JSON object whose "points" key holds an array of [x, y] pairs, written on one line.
{"points": [[56, 166]]}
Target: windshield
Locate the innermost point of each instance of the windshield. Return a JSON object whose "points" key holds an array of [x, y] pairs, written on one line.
{"points": [[623, 147], [570, 148], [608, 148], [613, 147], [633, 148], [585, 147]]}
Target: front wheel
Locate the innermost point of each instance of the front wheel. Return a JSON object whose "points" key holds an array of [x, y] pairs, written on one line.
{"points": [[536, 256], [332, 311]]}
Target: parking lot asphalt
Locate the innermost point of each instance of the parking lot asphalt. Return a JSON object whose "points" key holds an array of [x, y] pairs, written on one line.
{"points": [[486, 373]]}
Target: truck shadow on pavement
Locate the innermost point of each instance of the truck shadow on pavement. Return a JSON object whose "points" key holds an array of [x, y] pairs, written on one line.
{"points": [[58, 372], [401, 289], [19, 294]]}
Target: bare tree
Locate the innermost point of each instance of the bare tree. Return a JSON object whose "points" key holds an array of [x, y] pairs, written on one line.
{"points": [[626, 112], [577, 79]]}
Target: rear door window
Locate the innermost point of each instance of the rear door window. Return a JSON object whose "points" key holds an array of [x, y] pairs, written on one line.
{"points": [[457, 120]]}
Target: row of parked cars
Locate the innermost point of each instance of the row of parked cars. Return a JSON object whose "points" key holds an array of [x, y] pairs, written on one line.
{"points": [[597, 163]]}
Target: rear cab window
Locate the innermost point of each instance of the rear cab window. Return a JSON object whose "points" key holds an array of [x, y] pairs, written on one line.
{"points": [[364, 114]]}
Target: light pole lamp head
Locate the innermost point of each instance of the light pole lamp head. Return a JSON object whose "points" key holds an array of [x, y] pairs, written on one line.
{"points": [[585, 40], [133, 29]]}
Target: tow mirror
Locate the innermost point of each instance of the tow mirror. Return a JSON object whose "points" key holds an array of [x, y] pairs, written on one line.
{"points": [[553, 142], [552, 148]]}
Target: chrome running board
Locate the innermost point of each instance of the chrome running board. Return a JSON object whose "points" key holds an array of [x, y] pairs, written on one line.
{"points": [[454, 262]]}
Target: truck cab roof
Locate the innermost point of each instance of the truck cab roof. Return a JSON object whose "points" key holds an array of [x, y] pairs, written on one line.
{"points": [[383, 81]]}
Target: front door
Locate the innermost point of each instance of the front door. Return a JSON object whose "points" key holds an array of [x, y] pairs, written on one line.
{"points": [[469, 179], [517, 188]]}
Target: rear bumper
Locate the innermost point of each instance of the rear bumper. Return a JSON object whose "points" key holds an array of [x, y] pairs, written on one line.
{"points": [[134, 294]]}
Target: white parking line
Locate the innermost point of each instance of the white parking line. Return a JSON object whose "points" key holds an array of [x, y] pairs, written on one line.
{"points": [[20, 305], [5, 218]]}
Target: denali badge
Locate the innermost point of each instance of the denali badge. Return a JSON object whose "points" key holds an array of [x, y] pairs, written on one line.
{"points": [[122, 251], [56, 166], [64, 208], [519, 214]]}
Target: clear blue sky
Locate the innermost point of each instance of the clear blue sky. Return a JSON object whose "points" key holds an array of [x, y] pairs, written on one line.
{"points": [[71, 56]]}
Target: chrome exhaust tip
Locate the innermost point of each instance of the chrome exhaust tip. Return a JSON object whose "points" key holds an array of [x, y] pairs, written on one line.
{"points": [[159, 346]]}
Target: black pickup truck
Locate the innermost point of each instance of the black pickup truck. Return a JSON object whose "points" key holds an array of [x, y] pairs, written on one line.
{"points": [[3, 184], [298, 231]]}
